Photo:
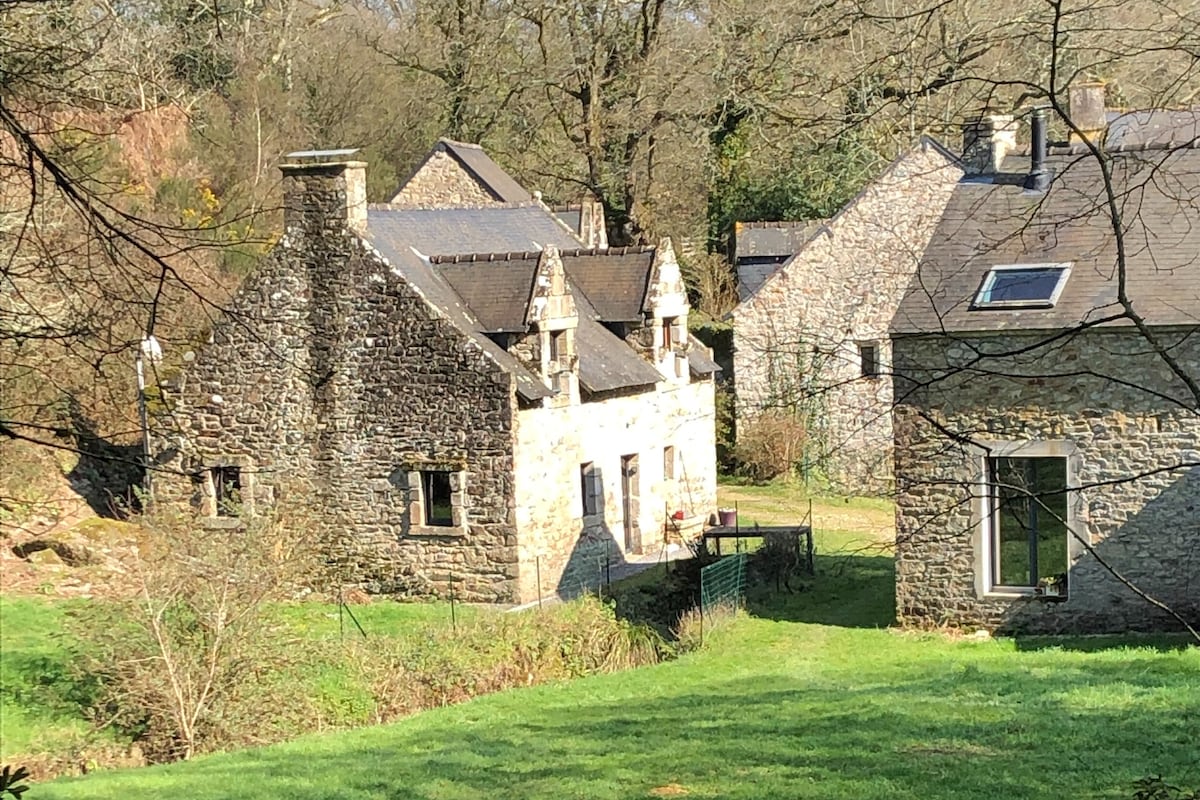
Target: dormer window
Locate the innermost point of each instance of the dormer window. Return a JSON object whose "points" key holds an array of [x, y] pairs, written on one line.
{"points": [[1022, 286]]}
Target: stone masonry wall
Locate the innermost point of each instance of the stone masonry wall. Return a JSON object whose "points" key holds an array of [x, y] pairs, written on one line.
{"points": [[441, 182], [796, 341], [1102, 394], [333, 374], [552, 444]]}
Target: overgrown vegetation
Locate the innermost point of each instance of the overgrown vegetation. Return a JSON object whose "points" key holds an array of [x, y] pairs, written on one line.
{"points": [[806, 696]]}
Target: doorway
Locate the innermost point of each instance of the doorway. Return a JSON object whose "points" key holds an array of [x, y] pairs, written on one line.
{"points": [[629, 502]]}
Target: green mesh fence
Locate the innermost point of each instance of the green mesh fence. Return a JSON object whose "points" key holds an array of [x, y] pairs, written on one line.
{"points": [[723, 584]]}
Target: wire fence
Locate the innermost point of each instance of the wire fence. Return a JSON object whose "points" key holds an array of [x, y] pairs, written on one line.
{"points": [[723, 584]]}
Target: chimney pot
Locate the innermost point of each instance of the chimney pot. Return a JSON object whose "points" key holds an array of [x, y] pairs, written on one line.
{"points": [[1039, 176], [1088, 111], [986, 141], [322, 187]]}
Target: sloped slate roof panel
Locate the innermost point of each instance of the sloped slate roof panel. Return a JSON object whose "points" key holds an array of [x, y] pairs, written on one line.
{"points": [[496, 290], [615, 280], [990, 223], [775, 239], [459, 231], [607, 363]]}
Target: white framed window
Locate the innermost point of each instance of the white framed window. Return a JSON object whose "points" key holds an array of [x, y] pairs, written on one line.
{"points": [[669, 462], [1022, 286], [1028, 515], [670, 334]]}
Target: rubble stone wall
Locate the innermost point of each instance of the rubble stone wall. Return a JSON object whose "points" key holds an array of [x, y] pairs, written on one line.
{"points": [[1101, 395], [797, 340]]}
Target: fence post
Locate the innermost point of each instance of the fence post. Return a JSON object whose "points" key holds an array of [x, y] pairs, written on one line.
{"points": [[453, 614], [537, 565]]}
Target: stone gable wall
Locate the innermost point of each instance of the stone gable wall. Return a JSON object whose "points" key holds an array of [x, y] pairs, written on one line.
{"points": [[796, 340], [441, 182], [333, 374], [1113, 404], [552, 443]]}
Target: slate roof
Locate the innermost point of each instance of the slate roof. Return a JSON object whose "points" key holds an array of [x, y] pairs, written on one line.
{"points": [[456, 258], [607, 363], [994, 222], [452, 231], [615, 280], [762, 241], [500, 301], [1157, 126]]}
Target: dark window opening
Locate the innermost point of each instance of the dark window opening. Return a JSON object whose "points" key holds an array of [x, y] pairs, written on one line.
{"points": [[868, 355], [591, 489], [227, 490], [669, 462], [1028, 523], [558, 346], [499, 339], [435, 486], [617, 329]]}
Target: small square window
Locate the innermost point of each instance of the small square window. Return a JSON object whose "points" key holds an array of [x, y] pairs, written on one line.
{"points": [[591, 489], [868, 356], [1022, 286], [669, 463]]}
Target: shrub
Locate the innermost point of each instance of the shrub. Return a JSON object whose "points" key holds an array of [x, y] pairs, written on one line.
{"points": [[440, 666], [188, 663], [770, 445]]}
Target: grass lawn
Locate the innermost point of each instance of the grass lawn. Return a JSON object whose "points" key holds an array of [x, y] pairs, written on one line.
{"points": [[808, 695]]}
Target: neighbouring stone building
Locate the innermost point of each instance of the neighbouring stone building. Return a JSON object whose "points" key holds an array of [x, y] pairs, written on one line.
{"points": [[461, 174], [1047, 428], [810, 337], [468, 394]]}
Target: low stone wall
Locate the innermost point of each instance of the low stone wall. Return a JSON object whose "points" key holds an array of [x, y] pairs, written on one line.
{"points": [[1136, 436]]}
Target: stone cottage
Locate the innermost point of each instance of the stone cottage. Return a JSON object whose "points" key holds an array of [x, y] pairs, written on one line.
{"points": [[810, 338], [468, 393], [462, 174], [1047, 415]]}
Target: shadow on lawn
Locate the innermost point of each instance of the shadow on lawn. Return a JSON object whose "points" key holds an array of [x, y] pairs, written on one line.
{"points": [[849, 591], [932, 728], [1161, 642]]}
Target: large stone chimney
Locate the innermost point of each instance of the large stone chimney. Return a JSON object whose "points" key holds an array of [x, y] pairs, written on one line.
{"points": [[324, 191], [986, 141], [1088, 112]]}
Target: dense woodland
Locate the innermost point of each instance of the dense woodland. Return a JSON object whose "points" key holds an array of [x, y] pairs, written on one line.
{"points": [[138, 140]]}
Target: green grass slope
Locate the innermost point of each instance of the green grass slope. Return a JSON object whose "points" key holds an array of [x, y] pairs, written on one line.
{"points": [[805, 697]]}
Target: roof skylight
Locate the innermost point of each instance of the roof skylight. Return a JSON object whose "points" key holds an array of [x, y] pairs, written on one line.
{"points": [[1022, 286]]}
